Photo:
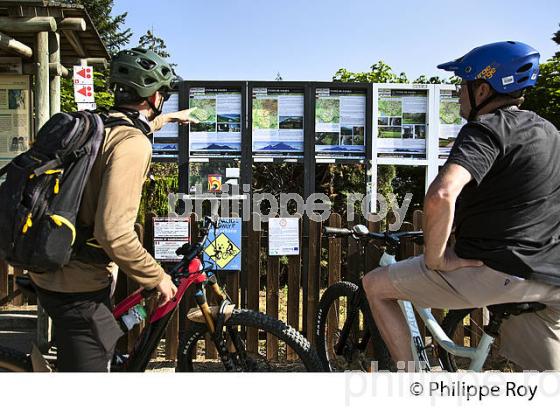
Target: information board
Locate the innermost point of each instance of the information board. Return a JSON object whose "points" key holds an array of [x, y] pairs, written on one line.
{"points": [[402, 122], [222, 249], [340, 121], [169, 235], [450, 120], [166, 140], [15, 116], [277, 125], [283, 236], [219, 112]]}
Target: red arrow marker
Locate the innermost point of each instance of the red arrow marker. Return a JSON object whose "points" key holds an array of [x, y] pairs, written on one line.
{"points": [[86, 73], [85, 91]]}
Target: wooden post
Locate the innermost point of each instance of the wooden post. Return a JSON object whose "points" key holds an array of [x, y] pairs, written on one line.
{"points": [[18, 296], [335, 251], [272, 284], [253, 278], [314, 273], [42, 114], [334, 268], [42, 101], [294, 283], [172, 338], [3, 282], [476, 327], [54, 85]]}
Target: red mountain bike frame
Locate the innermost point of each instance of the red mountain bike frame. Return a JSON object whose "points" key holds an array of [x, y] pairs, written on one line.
{"points": [[157, 323]]}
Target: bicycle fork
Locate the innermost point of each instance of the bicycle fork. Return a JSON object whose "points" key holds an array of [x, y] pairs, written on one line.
{"points": [[215, 327]]}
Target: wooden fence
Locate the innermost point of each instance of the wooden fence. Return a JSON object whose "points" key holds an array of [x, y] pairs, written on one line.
{"points": [[287, 288]]}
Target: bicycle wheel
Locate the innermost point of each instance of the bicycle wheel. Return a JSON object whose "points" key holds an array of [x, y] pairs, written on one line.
{"points": [[332, 314], [191, 347], [14, 361]]}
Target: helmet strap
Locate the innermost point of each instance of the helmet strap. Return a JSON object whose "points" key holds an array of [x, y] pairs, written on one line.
{"points": [[475, 109], [157, 110]]}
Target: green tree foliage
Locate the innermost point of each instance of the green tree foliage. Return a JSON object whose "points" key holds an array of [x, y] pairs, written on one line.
{"points": [[544, 98], [114, 35], [152, 42], [379, 73], [110, 27]]}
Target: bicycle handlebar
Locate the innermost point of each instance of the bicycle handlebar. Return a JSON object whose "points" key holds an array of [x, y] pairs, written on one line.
{"points": [[359, 231]]}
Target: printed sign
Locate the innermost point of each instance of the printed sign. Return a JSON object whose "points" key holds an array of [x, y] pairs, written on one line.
{"points": [[450, 121], [340, 122], [166, 140], [283, 236], [222, 249], [169, 235], [402, 122], [83, 75], [83, 84], [219, 114], [277, 120], [15, 116]]}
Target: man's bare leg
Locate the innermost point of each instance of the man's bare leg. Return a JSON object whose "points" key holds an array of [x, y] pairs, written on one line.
{"points": [[383, 301]]}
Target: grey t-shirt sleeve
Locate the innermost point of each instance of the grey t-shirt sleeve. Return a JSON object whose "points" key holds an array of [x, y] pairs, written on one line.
{"points": [[475, 149]]}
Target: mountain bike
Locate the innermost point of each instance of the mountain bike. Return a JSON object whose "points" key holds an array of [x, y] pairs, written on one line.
{"points": [[224, 325], [342, 346]]}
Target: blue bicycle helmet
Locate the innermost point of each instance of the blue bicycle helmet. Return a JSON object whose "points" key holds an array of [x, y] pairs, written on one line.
{"points": [[507, 66]]}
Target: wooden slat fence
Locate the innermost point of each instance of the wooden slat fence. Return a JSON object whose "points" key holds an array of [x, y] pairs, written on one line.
{"points": [[271, 284]]}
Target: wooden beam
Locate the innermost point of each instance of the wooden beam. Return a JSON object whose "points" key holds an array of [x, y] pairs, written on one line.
{"points": [[27, 24], [58, 69], [90, 61], [74, 42], [14, 46], [73, 24]]}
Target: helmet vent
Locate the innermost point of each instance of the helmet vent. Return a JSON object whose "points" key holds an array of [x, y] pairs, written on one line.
{"points": [[522, 79], [511, 42], [146, 64], [524, 68], [149, 80]]}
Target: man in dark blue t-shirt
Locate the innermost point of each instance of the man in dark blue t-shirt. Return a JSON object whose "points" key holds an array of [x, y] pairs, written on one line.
{"points": [[500, 187]]}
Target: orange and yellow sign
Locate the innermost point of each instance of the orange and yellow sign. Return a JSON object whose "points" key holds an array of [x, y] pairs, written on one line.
{"points": [[214, 183]]}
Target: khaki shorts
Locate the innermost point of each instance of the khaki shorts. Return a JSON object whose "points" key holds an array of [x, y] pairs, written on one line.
{"points": [[532, 340]]}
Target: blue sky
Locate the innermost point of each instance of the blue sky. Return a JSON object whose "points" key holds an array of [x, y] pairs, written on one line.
{"points": [[311, 39]]}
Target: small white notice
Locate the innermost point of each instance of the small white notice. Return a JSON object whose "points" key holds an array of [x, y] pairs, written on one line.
{"points": [[283, 236], [169, 235]]}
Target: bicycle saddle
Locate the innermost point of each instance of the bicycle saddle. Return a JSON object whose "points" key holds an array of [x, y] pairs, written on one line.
{"points": [[500, 312], [516, 309]]}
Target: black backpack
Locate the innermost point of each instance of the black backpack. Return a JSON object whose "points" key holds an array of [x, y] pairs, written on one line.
{"points": [[41, 196]]}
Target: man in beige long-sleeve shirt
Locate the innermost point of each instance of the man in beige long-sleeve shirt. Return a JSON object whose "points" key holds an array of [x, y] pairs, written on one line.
{"points": [[77, 296]]}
